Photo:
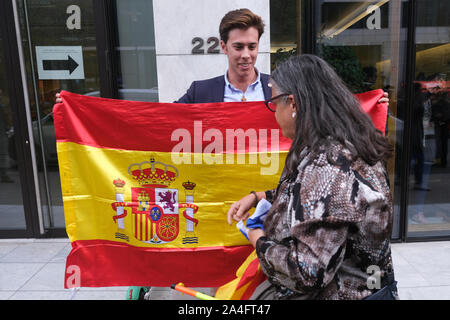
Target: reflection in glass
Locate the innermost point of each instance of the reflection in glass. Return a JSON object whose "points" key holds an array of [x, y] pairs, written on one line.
{"points": [[354, 37], [287, 25], [12, 215], [136, 47], [429, 201], [365, 42]]}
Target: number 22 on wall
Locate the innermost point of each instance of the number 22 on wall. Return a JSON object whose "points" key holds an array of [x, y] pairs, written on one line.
{"points": [[199, 42]]}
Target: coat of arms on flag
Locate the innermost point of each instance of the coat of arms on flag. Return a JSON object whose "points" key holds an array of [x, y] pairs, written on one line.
{"points": [[154, 205]]}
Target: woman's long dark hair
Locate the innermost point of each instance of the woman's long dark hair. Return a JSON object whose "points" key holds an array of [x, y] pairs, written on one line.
{"points": [[326, 109]]}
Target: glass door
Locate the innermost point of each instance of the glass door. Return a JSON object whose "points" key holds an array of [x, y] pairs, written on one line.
{"points": [[59, 38], [429, 183], [12, 215]]}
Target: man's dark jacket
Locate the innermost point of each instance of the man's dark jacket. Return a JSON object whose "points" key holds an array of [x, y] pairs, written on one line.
{"points": [[212, 90]]}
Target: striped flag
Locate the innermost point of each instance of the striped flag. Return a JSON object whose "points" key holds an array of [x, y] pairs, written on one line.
{"points": [[248, 277], [146, 187]]}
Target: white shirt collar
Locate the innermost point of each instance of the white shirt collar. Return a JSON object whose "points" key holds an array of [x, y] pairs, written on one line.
{"points": [[228, 84]]}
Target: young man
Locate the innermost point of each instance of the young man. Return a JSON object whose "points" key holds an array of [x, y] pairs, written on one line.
{"points": [[240, 31]]}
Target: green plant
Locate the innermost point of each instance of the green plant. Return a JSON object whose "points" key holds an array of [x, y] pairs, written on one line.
{"points": [[346, 64]]}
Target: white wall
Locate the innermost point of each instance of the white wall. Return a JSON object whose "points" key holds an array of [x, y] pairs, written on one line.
{"points": [[177, 22]]}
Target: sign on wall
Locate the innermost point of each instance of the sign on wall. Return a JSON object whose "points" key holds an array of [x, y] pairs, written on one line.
{"points": [[60, 62]]}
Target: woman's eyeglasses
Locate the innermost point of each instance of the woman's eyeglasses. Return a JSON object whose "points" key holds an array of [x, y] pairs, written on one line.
{"points": [[269, 102]]}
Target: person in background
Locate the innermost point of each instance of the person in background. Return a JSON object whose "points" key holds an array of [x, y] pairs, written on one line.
{"points": [[331, 218], [441, 116], [4, 144]]}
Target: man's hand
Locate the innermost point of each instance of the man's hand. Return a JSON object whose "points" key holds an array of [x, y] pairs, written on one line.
{"points": [[58, 98], [385, 98]]}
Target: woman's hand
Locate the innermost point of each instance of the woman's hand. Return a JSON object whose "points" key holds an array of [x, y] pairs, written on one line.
{"points": [[254, 235], [385, 98], [239, 210]]}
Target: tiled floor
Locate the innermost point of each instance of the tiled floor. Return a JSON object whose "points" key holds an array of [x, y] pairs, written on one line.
{"points": [[34, 269]]}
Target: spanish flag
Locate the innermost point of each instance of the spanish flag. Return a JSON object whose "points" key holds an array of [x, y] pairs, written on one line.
{"points": [[146, 187]]}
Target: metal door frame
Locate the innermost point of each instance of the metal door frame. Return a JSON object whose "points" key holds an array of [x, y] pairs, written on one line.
{"points": [[18, 93]]}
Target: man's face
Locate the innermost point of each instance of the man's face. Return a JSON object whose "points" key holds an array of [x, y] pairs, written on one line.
{"points": [[242, 51]]}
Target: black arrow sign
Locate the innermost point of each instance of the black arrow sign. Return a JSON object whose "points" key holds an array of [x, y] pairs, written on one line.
{"points": [[68, 64]]}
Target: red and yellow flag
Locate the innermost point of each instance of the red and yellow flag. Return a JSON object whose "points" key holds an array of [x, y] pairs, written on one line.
{"points": [[146, 187], [248, 277]]}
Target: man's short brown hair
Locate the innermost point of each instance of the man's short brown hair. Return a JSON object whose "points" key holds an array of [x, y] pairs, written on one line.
{"points": [[240, 19]]}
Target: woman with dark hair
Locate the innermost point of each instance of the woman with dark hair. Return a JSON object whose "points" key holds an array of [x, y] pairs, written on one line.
{"points": [[327, 234]]}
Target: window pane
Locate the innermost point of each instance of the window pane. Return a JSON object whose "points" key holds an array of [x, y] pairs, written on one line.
{"points": [[365, 41], [12, 215], [137, 73], [429, 200], [286, 27]]}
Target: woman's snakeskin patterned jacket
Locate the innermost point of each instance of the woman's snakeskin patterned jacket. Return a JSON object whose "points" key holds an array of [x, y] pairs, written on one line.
{"points": [[329, 229]]}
